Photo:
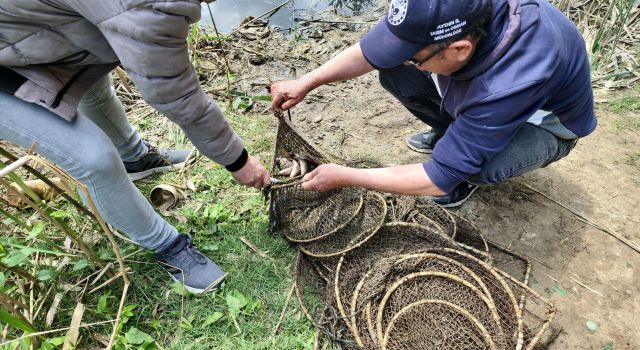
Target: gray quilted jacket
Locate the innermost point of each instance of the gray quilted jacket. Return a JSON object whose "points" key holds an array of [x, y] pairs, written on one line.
{"points": [[63, 46]]}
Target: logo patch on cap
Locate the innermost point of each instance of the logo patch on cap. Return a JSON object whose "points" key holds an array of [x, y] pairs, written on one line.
{"points": [[398, 11]]}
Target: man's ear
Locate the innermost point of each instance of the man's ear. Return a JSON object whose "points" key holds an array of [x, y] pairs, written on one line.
{"points": [[462, 49]]}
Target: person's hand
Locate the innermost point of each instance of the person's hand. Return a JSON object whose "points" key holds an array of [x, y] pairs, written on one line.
{"points": [[288, 93], [252, 174], [326, 177]]}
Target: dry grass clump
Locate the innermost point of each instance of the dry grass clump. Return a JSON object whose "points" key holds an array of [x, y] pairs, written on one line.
{"points": [[612, 30]]}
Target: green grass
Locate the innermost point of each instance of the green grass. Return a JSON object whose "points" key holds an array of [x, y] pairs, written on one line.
{"points": [[626, 110], [633, 159], [625, 104]]}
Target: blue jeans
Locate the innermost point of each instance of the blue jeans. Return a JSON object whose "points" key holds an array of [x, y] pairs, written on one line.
{"points": [[91, 149], [531, 148]]}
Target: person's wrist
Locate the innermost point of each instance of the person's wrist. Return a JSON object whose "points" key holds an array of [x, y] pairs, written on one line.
{"points": [[239, 163], [310, 82], [347, 177]]}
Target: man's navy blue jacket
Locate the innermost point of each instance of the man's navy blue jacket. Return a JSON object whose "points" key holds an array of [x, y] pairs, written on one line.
{"points": [[546, 68]]}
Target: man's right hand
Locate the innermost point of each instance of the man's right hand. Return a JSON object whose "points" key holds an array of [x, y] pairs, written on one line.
{"points": [[348, 64], [288, 93], [252, 174]]}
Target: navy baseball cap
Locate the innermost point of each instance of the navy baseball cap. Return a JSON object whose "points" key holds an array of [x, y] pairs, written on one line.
{"points": [[412, 25]]}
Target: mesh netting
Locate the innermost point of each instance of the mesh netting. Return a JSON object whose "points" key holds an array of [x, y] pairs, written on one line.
{"points": [[354, 233], [435, 324], [423, 212], [435, 277], [391, 241], [290, 143], [313, 293], [313, 219], [380, 271]]}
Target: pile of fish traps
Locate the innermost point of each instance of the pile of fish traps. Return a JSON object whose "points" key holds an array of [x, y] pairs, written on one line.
{"points": [[379, 271]]}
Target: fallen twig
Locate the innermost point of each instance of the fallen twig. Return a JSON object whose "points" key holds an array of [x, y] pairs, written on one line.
{"points": [[123, 79], [31, 335], [588, 288], [71, 339], [268, 13], [255, 249], [284, 309]]}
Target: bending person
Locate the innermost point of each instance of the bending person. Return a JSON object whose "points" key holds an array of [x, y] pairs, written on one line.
{"points": [[504, 85], [55, 93]]}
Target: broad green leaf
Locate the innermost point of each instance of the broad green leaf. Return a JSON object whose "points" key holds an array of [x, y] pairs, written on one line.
{"points": [[102, 307], [186, 323], [36, 230], [52, 343], [59, 214], [137, 337], [127, 312], [13, 321], [212, 318], [18, 257], [47, 275], [235, 302], [155, 324], [80, 264], [179, 289]]}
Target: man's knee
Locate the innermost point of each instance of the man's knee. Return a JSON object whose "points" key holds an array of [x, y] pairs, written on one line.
{"points": [[509, 165]]}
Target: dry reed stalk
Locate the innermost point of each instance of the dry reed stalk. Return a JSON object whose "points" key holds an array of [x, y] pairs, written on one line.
{"points": [[95, 214]]}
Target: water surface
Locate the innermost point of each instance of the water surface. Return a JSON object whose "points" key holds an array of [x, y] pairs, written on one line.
{"points": [[229, 13]]}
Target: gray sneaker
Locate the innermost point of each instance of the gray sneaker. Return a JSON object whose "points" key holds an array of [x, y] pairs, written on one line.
{"points": [[188, 266], [423, 142], [157, 160]]}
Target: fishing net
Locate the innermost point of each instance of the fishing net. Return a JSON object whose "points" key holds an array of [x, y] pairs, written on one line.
{"points": [[312, 216], [290, 143], [313, 293], [435, 324], [381, 271], [429, 278], [392, 240], [423, 212], [354, 233]]}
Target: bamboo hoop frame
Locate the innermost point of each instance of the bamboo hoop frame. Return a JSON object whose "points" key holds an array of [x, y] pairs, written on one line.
{"points": [[487, 337], [356, 242], [356, 212], [348, 317], [514, 304], [475, 290]]}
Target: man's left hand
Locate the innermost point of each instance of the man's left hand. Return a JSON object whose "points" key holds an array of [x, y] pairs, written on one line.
{"points": [[326, 177]]}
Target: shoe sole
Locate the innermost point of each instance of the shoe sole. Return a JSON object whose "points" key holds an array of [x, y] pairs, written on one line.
{"points": [[460, 202], [419, 150], [197, 291], [163, 169]]}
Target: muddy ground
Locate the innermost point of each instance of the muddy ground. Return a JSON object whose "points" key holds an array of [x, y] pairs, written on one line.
{"points": [[589, 275]]}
